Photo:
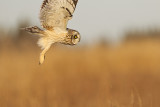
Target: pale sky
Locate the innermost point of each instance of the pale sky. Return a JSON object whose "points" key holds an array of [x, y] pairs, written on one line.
{"points": [[92, 18]]}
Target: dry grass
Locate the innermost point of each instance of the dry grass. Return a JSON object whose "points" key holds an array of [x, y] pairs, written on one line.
{"points": [[123, 76]]}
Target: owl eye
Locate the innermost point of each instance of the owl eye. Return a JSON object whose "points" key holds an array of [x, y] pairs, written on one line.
{"points": [[75, 36]]}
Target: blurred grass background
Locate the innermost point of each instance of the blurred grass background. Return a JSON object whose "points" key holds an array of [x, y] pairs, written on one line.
{"points": [[101, 75]]}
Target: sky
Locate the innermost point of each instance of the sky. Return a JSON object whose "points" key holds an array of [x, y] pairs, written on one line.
{"points": [[92, 18]]}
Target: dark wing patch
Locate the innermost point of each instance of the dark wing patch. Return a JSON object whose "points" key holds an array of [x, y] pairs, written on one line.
{"points": [[34, 29], [44, 3], [69, 12], [75, 2]]}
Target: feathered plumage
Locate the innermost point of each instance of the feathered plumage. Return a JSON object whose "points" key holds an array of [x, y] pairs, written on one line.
{"points": [[56, 13], [54, 16]]}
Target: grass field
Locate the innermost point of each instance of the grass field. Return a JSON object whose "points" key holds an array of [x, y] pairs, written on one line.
{"points": [[126, 75]]}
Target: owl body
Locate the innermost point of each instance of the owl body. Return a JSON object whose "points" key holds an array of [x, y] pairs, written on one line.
{"points": [[49, 37], [54, 16]]}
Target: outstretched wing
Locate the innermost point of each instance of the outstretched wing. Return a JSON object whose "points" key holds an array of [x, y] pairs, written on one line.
{"points": [[56, 13]]}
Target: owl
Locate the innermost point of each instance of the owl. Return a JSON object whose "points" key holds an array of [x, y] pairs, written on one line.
{"points": [[54, 16]]}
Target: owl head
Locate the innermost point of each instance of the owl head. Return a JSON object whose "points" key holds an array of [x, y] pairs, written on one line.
{"points": [[73, 37]]}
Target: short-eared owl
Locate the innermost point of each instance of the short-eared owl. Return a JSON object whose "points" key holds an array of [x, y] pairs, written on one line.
{"points": [[54, 16]]}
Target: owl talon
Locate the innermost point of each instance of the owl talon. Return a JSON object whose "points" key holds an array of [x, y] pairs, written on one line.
{"points": [[42, 58]]}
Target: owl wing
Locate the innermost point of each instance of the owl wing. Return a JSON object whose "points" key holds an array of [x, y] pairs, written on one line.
{"points": [[56, 13]]}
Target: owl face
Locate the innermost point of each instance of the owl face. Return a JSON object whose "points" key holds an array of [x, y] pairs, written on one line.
{"points": [[73, 37]]}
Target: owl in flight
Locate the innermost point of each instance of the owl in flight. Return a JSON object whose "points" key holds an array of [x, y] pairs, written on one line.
{"points": [[54, 16]]}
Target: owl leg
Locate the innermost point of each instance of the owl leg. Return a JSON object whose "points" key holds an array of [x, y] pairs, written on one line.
{"points": [[42, 55]]}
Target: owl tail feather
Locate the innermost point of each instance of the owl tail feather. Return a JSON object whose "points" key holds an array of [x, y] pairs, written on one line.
{"points": [[34, 30]]}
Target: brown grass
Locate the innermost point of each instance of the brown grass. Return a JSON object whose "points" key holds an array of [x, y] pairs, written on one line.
{"points": [[127, 75]]}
